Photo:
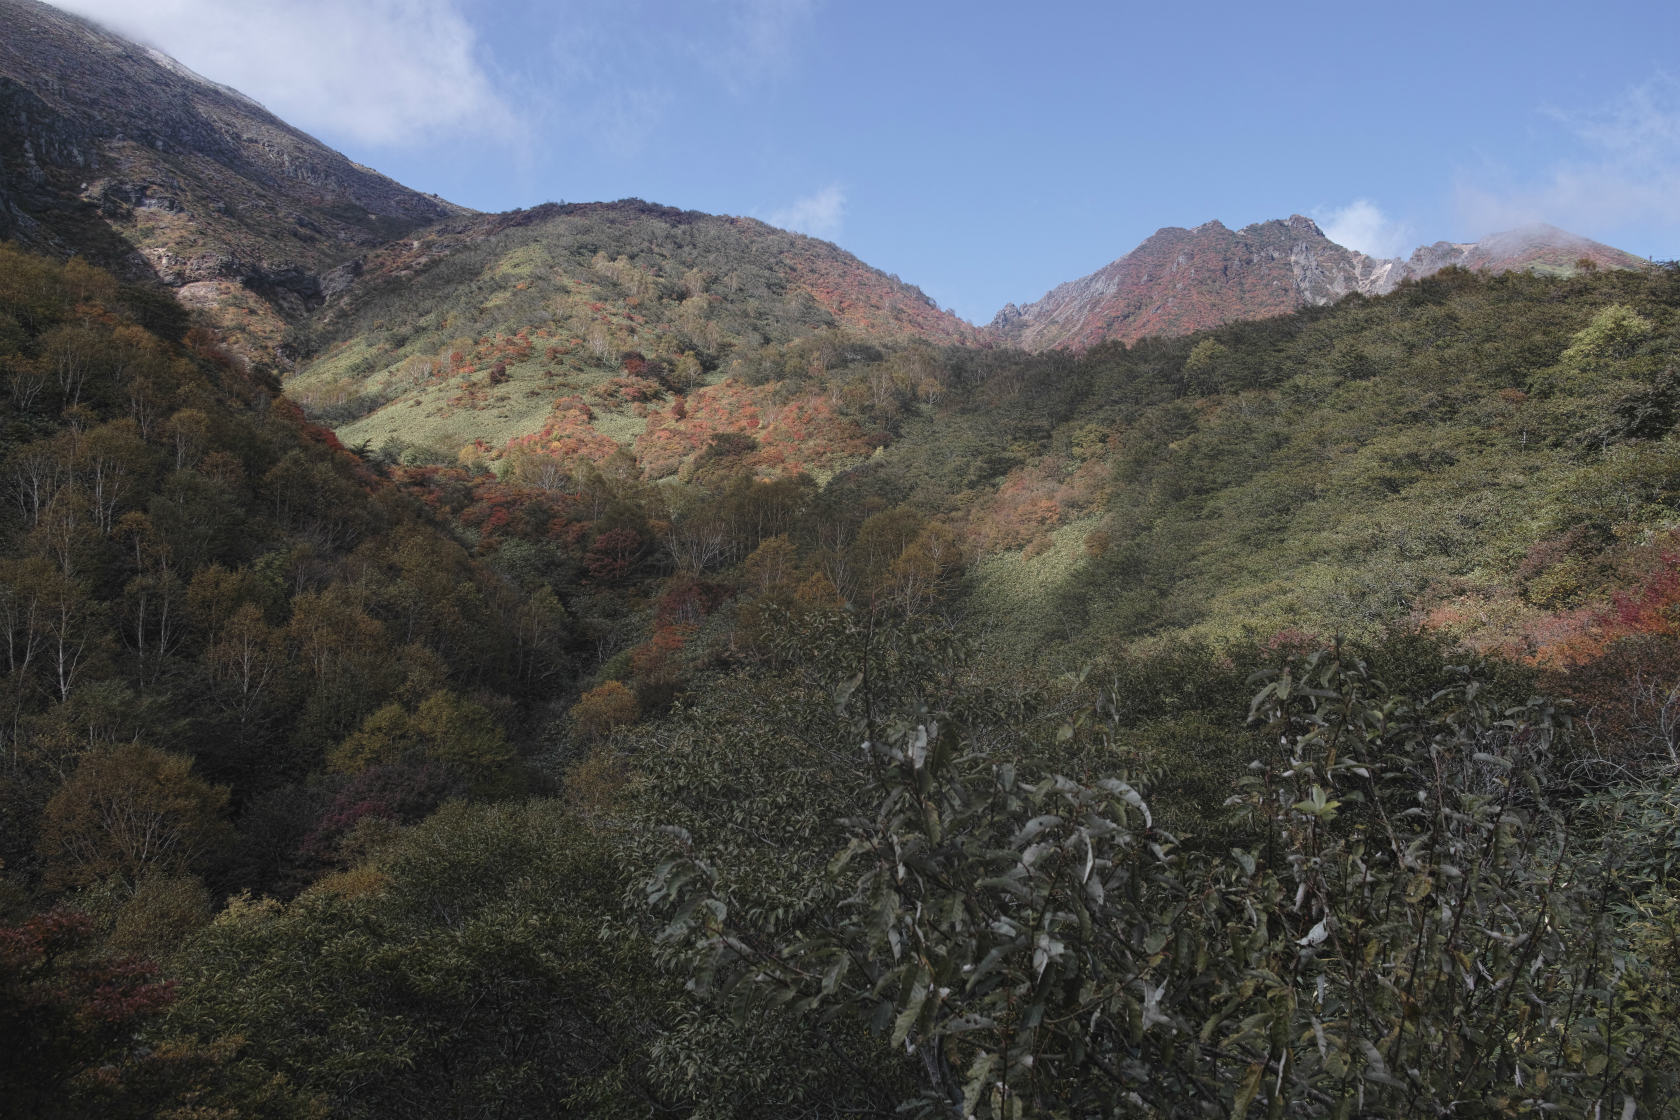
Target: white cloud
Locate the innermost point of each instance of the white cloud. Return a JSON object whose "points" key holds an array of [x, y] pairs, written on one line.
{"points": [[1644, 124], [1362, 225], [819, 214], [383, 72], [1624, 173]]}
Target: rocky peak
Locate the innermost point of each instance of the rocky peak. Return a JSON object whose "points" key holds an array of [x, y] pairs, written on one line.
{"points": [[1179, 281], [1005, 319]]}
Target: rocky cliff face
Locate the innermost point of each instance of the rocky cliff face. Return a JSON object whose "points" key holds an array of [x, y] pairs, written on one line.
{"points": [[116, 151], [1184, 280]]}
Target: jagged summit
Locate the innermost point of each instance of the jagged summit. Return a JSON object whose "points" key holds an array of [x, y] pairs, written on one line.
{"points": [[1183, 280]]}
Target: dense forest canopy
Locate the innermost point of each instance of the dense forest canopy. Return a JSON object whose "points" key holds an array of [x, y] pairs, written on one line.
{"points": [[1277, 718]]}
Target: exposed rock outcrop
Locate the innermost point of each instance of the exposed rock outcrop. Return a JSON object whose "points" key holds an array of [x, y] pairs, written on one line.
{"points": [[1184, 280]]}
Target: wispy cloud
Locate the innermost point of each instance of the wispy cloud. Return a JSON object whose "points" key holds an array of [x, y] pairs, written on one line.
{"points": [[619, 69], [820, 214], [1362, 225], [403, 73], [1624, 171], [385, 72], [760, 42]]}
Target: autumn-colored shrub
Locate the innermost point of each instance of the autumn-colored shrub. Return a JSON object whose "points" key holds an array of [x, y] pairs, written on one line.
{"points": [[130, 810], [65, 1011], [602, 709]]}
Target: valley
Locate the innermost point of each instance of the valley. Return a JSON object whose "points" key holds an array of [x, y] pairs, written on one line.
{"points": [[610, 659]]}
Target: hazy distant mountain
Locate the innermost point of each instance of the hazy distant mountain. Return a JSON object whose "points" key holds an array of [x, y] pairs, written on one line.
{"points": [[1537, 248], [117, 151], [1184, 280]]}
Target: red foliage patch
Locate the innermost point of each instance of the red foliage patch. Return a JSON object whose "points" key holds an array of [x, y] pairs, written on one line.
{"points": [[401, 791], [655, 657], [687, 601], [569, 433], [614, 554], [64, 1009]]}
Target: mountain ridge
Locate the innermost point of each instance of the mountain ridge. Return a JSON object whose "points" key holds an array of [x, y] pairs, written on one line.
{"points": [[116, 151], [1178, 280], [113, 150]]}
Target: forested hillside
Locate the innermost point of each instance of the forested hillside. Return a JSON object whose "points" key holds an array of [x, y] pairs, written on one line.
{"points": [[1149, 732], [1485, 455], [611, 660], [228, 647], [573, 329]]}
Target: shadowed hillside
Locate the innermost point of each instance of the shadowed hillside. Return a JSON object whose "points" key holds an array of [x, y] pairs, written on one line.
{"points": [[121, 153]]}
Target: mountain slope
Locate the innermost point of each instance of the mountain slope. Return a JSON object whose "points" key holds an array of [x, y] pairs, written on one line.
{"points": [[116, 151], [582, 326], [1180, 281], [1490, 455]]}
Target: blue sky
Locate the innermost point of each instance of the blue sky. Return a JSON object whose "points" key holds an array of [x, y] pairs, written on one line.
{"points": [[985, 151]]}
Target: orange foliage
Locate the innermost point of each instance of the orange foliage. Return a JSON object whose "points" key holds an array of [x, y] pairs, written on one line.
{"points": [[799, 435], [568, 433], [1649, 609], [870, 302], [654, 658], [1025, 508], [600, 710]]}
